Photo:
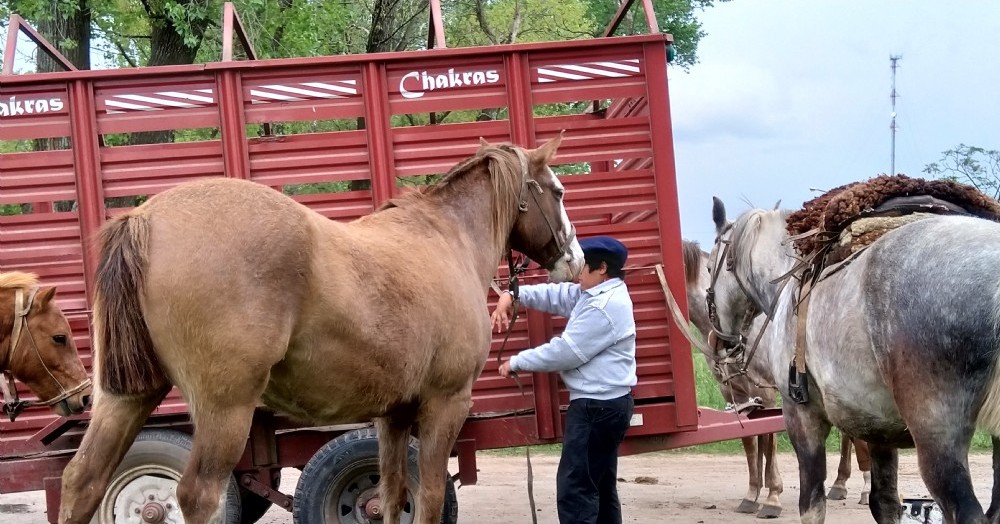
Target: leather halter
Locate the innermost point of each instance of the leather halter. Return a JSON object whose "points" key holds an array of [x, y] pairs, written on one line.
{"points": [[533, 188], [735, 344], [12, 404]]}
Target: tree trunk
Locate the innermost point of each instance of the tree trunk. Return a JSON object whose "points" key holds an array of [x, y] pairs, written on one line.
{"points": [[68, 30]]}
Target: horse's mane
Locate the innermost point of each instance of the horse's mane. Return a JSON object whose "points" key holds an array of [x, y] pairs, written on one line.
{"points": [[504, 167], [18, 280], [692, 260]]}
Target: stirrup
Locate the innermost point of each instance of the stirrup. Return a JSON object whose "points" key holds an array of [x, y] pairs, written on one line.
{"points": [[798, 385]]}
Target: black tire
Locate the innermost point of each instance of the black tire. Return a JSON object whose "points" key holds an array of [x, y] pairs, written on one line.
{"points": [[346, 470], [252, 505], [151, 468]]}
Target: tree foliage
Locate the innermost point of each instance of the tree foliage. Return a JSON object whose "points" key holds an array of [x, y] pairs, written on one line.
{"points": [[972, 165]]}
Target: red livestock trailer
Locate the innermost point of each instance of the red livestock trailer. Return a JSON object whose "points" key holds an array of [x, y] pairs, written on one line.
{"points": [[342, 134]]}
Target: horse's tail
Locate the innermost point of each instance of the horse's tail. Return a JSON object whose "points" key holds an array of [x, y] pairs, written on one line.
{"points": [[124, 358]]}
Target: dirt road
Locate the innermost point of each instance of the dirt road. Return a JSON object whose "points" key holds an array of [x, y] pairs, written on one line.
{"points": [[673, 487]]}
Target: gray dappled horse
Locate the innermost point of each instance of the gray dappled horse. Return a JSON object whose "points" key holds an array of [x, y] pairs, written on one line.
{"points": [[901, 349]]}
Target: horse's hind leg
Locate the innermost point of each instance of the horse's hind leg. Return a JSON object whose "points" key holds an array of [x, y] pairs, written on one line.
{"points": [[394, 435], [944, 470], [749, 503], [839, 489], [865, 467], [772, 505], [439, 421], [994, 512], [221, 426], [114, 424], [808, 430], [884, 505]]}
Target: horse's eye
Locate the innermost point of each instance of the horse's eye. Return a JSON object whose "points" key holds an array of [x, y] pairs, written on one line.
{"points": [[59, 339], [558, 193]]}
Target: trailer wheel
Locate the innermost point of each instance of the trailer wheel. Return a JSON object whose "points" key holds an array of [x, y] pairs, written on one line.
{"points": [[339, 484], [144, 487]]}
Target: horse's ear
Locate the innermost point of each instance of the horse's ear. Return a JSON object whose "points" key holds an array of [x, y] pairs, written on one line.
{"points": [[547, 151], [777, 204], [718, 215], [483, 144], [45, 295]]}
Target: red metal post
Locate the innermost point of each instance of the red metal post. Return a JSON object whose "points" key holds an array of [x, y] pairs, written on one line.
{"points": [[647, 7], [616, 20], [435, 29], [87, 168], [655, 59], [16, 25], [234, 143], [231, 22], [379, 128]]}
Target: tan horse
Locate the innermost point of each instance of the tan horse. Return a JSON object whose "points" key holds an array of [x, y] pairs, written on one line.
{"points": [[237, 294], [762, 449], [37, 348]]}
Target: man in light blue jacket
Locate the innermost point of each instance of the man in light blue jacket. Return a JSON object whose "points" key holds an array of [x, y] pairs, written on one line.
{"points": [[595, 356]]}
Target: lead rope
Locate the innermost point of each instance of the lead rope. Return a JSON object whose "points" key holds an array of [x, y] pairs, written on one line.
{"points": [[513, 286]]}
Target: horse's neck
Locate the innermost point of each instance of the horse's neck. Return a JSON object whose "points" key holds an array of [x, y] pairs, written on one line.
{"points": [[466, 210], [769, 261], [6, 326]]}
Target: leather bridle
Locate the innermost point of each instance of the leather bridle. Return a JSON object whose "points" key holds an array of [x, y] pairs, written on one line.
{"points": [[533, 188], [12, 404]]}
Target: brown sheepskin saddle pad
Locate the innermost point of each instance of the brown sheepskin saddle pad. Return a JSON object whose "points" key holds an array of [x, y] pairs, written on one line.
{"points": [[849, 218]]}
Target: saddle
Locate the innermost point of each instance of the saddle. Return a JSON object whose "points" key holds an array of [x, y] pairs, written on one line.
{"points": [[831, 230], [846, 220]]}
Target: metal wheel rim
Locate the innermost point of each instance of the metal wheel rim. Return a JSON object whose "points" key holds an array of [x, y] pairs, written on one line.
{"points": [[118, 488], [340, 504]]}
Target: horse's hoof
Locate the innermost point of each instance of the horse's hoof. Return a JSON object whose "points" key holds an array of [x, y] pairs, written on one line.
{"points": [[769, 512], [864, 498], [837, 493], [748, 506]]}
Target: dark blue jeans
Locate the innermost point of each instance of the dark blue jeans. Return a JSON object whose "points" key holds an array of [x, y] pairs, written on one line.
{"points": [[587, 480]]}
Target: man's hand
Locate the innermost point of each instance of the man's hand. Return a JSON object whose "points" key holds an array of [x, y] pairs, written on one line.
{"points": [[500, 319], [505, 371]]}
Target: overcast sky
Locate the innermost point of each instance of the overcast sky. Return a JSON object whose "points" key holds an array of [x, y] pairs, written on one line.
{"points": [[791, 95]]}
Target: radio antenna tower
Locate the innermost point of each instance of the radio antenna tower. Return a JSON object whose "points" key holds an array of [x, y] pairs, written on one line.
{"points": [[893, 59]]}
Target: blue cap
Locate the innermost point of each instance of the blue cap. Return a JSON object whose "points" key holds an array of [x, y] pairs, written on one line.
{"points": [[608, 246]]}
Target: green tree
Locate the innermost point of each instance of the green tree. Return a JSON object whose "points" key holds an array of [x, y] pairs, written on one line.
{"points": [[970, 164]]}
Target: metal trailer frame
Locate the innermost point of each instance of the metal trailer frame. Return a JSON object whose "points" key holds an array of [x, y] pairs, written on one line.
{"points": [[620, 146]]}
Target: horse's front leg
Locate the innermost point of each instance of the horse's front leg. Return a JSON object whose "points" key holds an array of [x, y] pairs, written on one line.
{"points": [[114, 424], [884, 502], [808, 430], [439, 420]]}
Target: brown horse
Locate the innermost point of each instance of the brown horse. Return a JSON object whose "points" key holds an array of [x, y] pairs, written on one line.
{"points": [[37, 348], [237, 294], [741, 389]]}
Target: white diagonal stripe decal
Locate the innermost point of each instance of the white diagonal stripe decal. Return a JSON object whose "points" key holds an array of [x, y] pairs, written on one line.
{"points": [[299, 91], [558, 74], [597, 72], [273, 96], [190, 96], [157, 101], [333, 87], [125, 105]]}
